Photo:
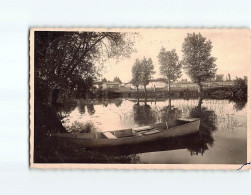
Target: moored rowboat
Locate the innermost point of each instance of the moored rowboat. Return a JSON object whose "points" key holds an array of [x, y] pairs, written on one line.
{"points": [[179, 127]]}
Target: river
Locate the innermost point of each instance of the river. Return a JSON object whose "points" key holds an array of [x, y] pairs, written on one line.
{"points": [[222, 138]]}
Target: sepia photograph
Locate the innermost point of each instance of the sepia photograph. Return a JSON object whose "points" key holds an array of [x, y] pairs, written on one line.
{"points": [[125, 97], [139, 98]]}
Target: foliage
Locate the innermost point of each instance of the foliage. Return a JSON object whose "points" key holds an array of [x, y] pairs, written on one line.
{"points": [[219, 77], [142, 72], [238, 104], [117, 79], [170, 113], [104, 80], [170, 66], [239, 90], [79, 127], [136, 73], [206, 129], [68, 60], [197, 59], [229, 77], [143, 114], [147, 71]]}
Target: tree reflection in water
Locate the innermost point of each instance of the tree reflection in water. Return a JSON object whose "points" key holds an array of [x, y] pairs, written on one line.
{"points": [[63, 111], [201, 142], [118, 102], [146, 113], [90, 108], [81, 107], [143, 114], [239, 104], [170, 113]]}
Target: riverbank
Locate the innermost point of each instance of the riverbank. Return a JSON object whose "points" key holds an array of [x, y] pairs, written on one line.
{"points": [[218, 93]]}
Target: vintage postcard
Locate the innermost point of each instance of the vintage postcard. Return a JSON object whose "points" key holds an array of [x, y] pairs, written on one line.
{"points": [[140, 98]]}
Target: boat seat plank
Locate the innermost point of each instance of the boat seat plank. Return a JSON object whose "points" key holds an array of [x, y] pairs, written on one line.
{"points": [[160, 126], [186, 119], [109, 135], [123, 133], [142, 128], [151, 132]]}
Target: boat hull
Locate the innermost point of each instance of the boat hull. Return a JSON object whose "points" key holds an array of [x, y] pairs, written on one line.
{"points": [[185, 129]]}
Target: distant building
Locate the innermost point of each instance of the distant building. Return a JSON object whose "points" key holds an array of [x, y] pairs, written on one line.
{"points": [[218, 84], [97, 84], [182, 81], [205, 85], [110, 85], [184, 85], [163, 84], [156, 84], [128, 86]]}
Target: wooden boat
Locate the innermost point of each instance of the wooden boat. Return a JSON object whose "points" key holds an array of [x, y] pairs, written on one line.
{"points": [[165, 144], [179, 127]]}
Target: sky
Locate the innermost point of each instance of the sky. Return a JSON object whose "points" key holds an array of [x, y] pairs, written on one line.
{"points": [[231, 47]]}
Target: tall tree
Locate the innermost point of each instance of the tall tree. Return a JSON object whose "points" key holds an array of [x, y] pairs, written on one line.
{"points": [[117, 79], [104, 80], [170, 67], [229, 77], [147, 70], [197, 59], [219, 77], [136, 74], [62, 58]]}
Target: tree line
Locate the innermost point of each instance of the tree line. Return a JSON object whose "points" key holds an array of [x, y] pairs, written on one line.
{"points": [[116, 79], [197, 62]]}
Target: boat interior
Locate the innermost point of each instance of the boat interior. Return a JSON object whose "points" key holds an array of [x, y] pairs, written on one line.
{"points": [[145, 130]]}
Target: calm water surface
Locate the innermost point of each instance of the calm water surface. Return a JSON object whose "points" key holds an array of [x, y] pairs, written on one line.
{"points": [[222, 137]]}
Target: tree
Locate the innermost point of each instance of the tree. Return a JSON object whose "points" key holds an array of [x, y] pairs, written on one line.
{"points": [[197, 60], [142, 72], [239, 89], [64, 59], [147, 70], [136, 73], [170, 66], [229, 77], [117, 79], [219, 77], [104, 80]]}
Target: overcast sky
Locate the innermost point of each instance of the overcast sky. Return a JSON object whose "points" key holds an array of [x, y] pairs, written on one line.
{"points": [[230, 47]]}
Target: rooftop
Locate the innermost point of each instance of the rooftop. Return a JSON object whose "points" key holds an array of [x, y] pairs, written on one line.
{"points": [[111, 83]]}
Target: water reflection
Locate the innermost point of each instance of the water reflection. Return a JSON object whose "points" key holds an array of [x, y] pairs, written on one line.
{"points": [[217, 117], [118, 102], [170, 113], [204, 139], [90, 109], [143, 114], [239, 104], [81, 107]]}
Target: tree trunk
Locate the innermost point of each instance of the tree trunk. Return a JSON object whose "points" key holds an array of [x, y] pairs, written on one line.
{"points": [[199, 103], [145, 89], [169, 86], [54, 96], [169, 109], [199, 87]]}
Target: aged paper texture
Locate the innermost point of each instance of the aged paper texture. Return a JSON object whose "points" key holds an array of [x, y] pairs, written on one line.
{"points": [[140, 98]]}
